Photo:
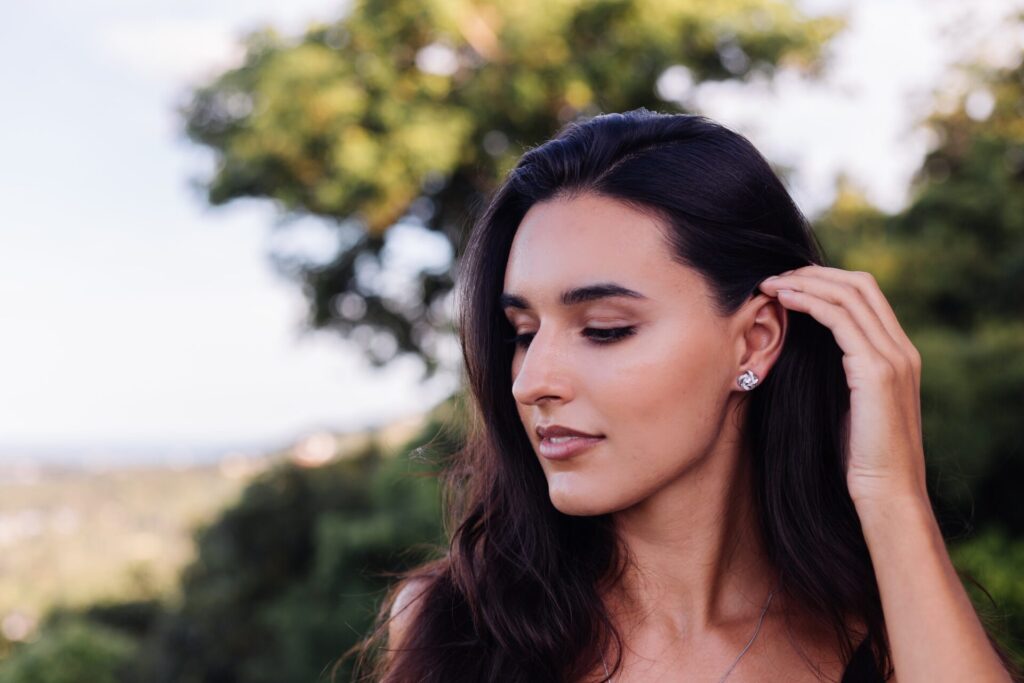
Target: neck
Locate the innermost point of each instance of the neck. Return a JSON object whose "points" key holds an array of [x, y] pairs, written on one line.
{"points": [[696, 555]]}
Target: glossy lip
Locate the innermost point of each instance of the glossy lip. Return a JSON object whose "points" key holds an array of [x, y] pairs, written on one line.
{"points": [[544, 431], [567, 449]]}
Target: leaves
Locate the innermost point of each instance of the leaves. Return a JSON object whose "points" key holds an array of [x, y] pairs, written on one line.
{"points": [[417, 109], [952, 265]]}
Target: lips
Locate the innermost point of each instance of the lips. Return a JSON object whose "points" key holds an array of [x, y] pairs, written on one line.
{"points": [[548, 431], [562, 447], [559, 442]]}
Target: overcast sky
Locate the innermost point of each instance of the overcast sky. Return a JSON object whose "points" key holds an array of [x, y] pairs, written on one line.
{"points": [[137, 321]]}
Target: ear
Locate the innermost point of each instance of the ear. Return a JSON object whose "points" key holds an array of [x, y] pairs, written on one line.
{"points": [[760, 331]]}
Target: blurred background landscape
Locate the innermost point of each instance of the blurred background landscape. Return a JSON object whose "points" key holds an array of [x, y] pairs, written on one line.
{"points": [[228, 369]]}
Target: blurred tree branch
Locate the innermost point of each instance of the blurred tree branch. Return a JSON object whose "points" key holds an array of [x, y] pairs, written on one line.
{"points": [[413, 111]]}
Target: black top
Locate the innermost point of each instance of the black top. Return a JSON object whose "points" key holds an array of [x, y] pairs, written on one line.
{"points": [[861, 668]]}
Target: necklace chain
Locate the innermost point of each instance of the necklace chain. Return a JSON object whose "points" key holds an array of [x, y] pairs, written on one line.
{"points": [[737, 660]]}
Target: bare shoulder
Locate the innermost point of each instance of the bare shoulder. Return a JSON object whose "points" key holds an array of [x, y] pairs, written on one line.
{"points": [[405, 608]]}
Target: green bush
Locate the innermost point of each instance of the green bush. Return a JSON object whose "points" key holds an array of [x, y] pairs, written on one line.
{"points": [[994, 560], [71, 652], [289, 578]]}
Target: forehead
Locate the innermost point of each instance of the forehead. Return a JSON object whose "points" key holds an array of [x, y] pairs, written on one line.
{"points": [[565, 243]]}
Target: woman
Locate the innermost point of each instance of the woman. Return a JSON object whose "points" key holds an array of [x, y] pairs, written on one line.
{"points": [[679, 469]]}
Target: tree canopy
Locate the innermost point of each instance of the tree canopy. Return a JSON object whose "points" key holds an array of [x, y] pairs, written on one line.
{"points": [[952, 265], [413, 111]]}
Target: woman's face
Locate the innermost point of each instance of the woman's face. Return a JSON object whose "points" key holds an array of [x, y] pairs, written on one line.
{"points": [[657, 395]]}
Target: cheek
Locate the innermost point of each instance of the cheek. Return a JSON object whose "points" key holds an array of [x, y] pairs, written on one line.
{"points": [[664, 398], [658, 401]]}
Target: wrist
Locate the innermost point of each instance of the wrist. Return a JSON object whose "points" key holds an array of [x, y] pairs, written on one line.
{"points": [[873, 492], [895, 512]]}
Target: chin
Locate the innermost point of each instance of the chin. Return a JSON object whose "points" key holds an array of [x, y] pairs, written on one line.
{"points": [[572, 498]]}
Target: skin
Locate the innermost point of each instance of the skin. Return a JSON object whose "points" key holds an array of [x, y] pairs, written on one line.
{"points": [[671, 468], [933, 630]]}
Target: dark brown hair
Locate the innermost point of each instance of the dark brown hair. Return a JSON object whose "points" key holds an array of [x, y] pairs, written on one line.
{"points": [[516, 595]]}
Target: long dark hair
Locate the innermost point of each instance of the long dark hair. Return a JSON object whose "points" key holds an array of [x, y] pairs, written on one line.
{"points": [[516, 597]]}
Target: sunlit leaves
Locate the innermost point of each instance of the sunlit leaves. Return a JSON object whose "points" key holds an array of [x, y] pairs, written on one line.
{"points": [[356, 117]]}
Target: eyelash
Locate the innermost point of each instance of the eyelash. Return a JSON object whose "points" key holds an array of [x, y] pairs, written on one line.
{"points": [[603, 336]]}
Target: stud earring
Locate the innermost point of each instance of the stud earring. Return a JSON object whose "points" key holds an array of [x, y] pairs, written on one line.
{"points": [[748, 380]]}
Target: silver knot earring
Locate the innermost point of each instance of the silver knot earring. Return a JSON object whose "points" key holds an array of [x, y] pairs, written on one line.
{"points": [[748, 380]]}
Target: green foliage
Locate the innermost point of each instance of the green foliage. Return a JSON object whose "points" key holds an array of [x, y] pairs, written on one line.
{"points": [[994, 560], [952, 266], [71, 652], [134, 618], [414, 110], [971, 389], [288, 579], [347, 124]]}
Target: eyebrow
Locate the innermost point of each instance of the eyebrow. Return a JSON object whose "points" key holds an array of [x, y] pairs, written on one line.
{"points": [[577, 295]]}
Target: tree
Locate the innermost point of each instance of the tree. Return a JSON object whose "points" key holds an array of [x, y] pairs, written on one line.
{"points": [[288, 579], [952, 265], [407, 111], [71, 651]]}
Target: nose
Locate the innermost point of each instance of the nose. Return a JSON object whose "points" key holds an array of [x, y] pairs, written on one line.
{"points": [[541, 370]]}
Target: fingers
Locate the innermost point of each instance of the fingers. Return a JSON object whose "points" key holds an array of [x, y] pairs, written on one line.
{"points": [[844, 296], [882, 366], [858, 295], [868, 288], [848, 333]]}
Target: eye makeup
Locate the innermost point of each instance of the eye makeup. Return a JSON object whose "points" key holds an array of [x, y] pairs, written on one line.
{"points": [[596, 334]]}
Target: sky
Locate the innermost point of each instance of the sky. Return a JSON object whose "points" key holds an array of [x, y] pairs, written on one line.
{"points": [[139, 323]]}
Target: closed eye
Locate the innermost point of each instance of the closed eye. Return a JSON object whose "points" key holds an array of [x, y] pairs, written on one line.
{"points": [[595, 334]]}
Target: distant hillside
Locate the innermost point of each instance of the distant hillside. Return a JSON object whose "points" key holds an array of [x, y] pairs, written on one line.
{"points": [[72, 536]]}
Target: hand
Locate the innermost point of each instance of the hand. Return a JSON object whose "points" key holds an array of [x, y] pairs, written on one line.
{"points": [[885, 452]]}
